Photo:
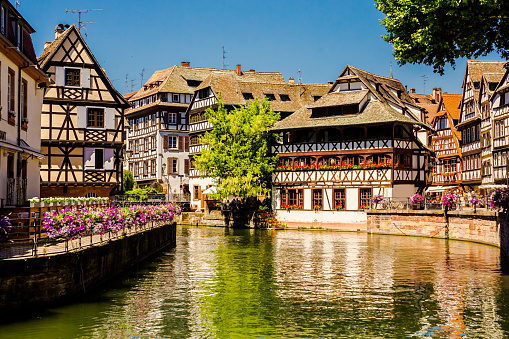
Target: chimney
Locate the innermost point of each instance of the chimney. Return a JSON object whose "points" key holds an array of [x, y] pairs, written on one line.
{"points": [[185, 64], [412, 90], [59, 29], [47, 43], [239, 70], [437, 93], [251, 70], [291, 80]]}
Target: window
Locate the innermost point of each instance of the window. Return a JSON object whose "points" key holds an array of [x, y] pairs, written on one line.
{"points": [[335, 110], [154, 142], [196, 192], [152, 166], [499, 128], [176, 98], [99, 158], [194, 140], [172, 142], [145, 167], [24, 99], [174, 166], [95, 117], [248, 96], [193, 83], [270, 96], [316, 97], [365, 194], [131, 168], [72, 77], [11, 90], [203, 93], [172, 118], [339, 199], [292, 197], [136, 146], [317, 199], [284, 97]]}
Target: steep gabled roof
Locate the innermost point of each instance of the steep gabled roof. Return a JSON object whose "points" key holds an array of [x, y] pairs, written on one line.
{"points": [[48, 53], [476, 68]]}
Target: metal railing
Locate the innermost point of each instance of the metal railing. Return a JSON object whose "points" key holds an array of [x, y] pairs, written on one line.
{"points": [[427, 204], [31, 240]]}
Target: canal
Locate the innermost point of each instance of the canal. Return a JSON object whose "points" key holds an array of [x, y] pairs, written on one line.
{"points": [[220, 283]]}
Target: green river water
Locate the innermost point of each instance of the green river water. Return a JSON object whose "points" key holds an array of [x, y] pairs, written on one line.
{"points": [[220, 283]]}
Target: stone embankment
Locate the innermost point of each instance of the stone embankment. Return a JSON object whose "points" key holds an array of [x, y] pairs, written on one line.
{"points": [[29, 283], [483, 227]]}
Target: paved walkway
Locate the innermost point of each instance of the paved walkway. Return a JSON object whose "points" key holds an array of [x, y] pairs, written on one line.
{"points": [[48, 247]]}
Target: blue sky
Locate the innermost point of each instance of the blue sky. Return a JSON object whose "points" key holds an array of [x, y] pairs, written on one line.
{"points": [[318, 37]]}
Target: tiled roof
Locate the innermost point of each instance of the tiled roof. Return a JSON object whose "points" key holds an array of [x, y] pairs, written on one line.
{"points": [[476, 68], [154, 104], [176, 79], [48, 51], [451, 103], [340, 99], [423, 98], [127, 96], [376, 112], [431, 111]]}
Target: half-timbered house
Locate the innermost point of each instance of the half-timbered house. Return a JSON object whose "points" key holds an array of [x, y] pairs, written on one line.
{"points": [[499, 126], [82, 121], [21, 93], [357, 141], [470, 120], [238, 89], [158, 128], [446, 143]]}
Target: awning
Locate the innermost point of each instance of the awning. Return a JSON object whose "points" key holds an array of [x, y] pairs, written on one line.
{"points": [[492, 186], [15, 148], [436, 189], [210, 190]]}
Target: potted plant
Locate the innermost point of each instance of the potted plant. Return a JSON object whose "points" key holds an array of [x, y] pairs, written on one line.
{"points": [[476, 199], [339, 207], [449, 200], [416, 201], [34, 202], [317, 207], [378, 199]]}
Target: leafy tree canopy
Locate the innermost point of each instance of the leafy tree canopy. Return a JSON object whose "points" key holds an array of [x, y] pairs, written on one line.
{"points": [[238, 157], [436, 32]]}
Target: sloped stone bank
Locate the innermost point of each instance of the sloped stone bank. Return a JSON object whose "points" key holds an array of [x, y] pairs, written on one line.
{"points": [[30, 283]]}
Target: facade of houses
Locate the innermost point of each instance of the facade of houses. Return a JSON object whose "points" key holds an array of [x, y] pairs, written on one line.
{"points": [[21, 93], [82, 121], [469, 124], [357, 141], [158, 134], [446, 143], [239, 88]]}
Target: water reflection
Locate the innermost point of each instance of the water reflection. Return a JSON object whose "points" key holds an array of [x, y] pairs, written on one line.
{"points": [[222, 283]]}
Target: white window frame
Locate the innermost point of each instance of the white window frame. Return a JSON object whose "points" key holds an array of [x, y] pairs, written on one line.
{"points": [[172, 118], [170, 143], [173, 97]]}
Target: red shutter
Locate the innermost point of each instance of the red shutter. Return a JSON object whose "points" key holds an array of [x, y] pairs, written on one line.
{"points": [[186, 143], [165, 142], [181, 143], [186, 166]]}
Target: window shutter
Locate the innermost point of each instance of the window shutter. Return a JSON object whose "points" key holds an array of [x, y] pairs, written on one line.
{"points": [[109, 118], [89, 158], [109, 159], [199, 192], [85, 77], [186, 143], [165, 142], [168, 165], [181, 142], [81, 112], [186, 166], [60, 76], [176, 162]]}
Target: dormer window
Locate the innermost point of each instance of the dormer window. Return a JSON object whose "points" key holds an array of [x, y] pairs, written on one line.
{"points": [[176, 98], [335, 110], [203, 93], [270, 96], [248, 96], [72, 77], [316, 97], [193, 83], [476, 85], [284, 97]]}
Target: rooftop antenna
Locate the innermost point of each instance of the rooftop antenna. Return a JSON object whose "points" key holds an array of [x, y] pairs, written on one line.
{"points": [[17, 3], [224, 57], [424, 79], [391, 69], [81, 24], [132, 85], [126, 77], [142, 72]]}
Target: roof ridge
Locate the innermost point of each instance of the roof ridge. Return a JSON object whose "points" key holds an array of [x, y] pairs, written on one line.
{"points": [[376, 75]]}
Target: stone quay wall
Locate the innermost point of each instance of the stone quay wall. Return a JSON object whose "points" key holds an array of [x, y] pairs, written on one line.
{"points": [[30, 283], [482, 227]]}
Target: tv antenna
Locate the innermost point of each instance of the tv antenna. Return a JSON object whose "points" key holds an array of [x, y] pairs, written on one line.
{"points": [[126, 77], [132, 85], [224, 57], [424, 79], [17, 3], [81, 24], [142, 72]]}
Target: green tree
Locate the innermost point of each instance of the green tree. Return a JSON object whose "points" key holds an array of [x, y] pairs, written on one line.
{"points": [[128, 182], [436, 32], [238, 158]]}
